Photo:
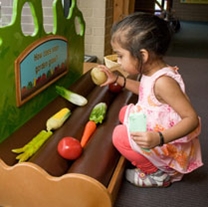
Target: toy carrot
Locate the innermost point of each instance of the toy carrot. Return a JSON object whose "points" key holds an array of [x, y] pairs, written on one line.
{"points": [[96, 116], [89, 129]]}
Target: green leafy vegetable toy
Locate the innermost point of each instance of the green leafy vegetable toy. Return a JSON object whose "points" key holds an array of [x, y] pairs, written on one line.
{"points": [[97, 115]]}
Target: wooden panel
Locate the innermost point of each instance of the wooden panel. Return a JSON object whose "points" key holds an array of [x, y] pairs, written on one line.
{"points": [[118, 10], [28, 185], [117, 178], [122, 8]]}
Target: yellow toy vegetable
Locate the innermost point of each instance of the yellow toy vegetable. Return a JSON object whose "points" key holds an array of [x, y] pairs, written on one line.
{"points": [[58, 119]]}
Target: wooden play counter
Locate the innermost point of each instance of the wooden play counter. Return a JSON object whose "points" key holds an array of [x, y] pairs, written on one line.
{"points": [[49, 180]]}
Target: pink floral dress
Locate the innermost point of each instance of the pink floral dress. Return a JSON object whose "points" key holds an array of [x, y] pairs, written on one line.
{"points": [[177, 157]]}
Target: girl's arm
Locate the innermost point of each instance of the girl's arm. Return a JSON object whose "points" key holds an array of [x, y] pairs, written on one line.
{"points": [[129, 84], [168, 91]]}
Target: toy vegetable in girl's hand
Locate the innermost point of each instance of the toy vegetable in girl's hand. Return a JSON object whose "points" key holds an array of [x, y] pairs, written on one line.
{"points": [[98, 76], [96, 116]]}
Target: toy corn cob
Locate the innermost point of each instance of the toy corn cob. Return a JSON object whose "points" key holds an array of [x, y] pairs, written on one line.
{"points": [[58, 119]]}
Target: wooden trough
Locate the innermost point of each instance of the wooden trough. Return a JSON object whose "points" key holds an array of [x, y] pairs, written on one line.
{"points": [[47, 179]]}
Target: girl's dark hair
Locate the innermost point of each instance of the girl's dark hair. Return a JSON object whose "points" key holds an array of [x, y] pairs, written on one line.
{"points": [[142, 31]]}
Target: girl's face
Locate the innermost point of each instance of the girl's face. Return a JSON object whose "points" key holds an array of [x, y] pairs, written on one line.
{"points": [[125, 59]]}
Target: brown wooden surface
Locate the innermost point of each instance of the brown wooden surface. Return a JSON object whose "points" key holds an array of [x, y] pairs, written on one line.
{"points": [[122, 8], [87, 66], [26, 184]]}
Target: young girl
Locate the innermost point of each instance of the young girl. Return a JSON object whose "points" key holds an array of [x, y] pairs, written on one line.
{"points": [[169, 148]]}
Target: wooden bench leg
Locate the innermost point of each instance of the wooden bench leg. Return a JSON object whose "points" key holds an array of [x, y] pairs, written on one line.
{"points": [[117, 178]]}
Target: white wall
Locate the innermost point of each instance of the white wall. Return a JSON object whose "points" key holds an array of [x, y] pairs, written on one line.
{"points": [[27, 20], [94, 15]]}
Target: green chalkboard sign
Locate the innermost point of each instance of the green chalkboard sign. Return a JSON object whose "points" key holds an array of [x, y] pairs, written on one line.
{"points": [[31, 65]]}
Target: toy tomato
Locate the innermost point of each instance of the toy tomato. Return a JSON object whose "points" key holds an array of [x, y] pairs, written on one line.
{"points": [[69, 148], [115, 87]]}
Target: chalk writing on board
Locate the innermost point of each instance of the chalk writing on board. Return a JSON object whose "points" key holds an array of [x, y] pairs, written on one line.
{"points": [[40, 65]]}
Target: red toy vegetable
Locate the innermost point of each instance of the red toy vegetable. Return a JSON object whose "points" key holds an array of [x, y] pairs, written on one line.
{"points": [[69, 148], [115, 87]]}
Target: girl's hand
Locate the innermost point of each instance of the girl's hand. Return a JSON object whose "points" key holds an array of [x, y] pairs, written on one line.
{"points": [[111, 77], [147, 140]]}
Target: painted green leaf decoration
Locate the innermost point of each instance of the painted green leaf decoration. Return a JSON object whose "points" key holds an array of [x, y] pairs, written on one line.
{"points": [[13, 42]]}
